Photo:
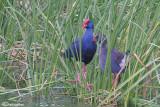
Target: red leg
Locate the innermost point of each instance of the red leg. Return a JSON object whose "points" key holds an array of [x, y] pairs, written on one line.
{"points": [[89, 86], [113, 78], [78, 79], [116, 80], [84, 71]]}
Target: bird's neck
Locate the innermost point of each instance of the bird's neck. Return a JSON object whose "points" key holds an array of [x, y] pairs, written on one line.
{"points": [[88, 33]]}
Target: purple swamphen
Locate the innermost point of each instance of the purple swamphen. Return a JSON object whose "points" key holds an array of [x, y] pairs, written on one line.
{"points": [[118, 59], [84, 48]]}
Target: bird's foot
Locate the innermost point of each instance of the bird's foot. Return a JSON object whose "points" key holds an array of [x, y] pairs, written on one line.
{"points": [[77, 80], [89, 86]]}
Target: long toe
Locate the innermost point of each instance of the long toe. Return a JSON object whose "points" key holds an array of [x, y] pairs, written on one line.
{"points": [[89, 87], [78, 79]]}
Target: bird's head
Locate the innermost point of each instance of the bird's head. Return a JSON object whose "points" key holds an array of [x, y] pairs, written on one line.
{"points": [[88, 24]]}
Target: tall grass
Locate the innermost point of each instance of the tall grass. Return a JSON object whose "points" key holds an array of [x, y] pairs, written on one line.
{"points": [[47, 27]]}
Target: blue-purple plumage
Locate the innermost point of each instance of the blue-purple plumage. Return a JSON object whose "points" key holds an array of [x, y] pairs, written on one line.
{"points": [[116, 56], [84, 49], [118, 59], [73, 50], [83, 46]]}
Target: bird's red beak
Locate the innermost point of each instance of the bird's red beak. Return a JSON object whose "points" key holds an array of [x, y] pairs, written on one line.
{"points": [[85, 23]]}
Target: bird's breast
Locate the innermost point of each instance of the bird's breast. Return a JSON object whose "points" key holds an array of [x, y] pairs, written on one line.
{"points": [[88, 52]]}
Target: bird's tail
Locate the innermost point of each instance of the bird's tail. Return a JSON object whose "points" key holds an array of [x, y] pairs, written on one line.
{"points": [[127, 57], [62, 53]]}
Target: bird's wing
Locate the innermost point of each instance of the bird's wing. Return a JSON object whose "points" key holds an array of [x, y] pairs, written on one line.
{"points": [[74, 49], [102, 57], [117, 56]]}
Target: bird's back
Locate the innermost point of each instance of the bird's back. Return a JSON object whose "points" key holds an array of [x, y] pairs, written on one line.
{"points": [[73, 50], [83, 48], [116, 56], [116, 59]]}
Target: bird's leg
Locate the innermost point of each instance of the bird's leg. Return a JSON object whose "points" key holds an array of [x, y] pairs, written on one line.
{"points": [[116, 77], [78, 80], [84, 71], [115, 81], [89, 86]]}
